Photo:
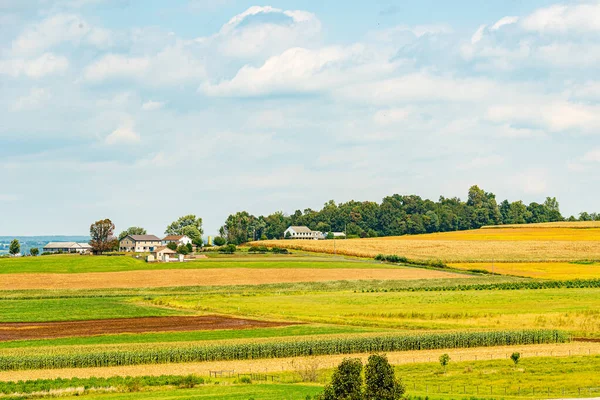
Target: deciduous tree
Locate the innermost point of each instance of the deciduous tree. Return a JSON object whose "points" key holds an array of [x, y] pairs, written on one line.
{"points": [[380, 380], [346, 382], [102, 236], [15, 247], [34, 251], [134, 230]]}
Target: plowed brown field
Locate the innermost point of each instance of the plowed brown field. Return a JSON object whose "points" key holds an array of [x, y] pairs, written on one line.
{"points": [[46, 330], [210, 277]]}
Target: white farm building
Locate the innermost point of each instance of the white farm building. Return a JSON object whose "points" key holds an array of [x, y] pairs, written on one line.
{"points": [[302, 232]]}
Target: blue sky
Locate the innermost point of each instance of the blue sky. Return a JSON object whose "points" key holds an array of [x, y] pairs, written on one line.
{"points": [[142, 111]]}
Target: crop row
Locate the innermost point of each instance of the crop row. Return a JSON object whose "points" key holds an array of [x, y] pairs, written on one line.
{"points": [[571, 284], [307, 347]]}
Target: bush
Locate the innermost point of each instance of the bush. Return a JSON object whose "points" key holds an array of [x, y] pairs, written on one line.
{"points": [[258, 249], [246, 380], [182, 249], [277, 250], [219, 241], [172, 246], [228, 249]]}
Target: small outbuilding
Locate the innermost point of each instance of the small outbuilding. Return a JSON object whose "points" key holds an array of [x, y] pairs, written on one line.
{"points": [[164, 254]]}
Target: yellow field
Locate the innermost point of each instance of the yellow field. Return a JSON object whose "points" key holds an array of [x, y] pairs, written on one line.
{"points": [[555, 271], [513, 244], [564, 224]]}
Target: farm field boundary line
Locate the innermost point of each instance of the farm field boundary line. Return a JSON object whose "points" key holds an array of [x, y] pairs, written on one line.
{"points": [[291, 363], [49, 330], [279, 349], [209, 277]]}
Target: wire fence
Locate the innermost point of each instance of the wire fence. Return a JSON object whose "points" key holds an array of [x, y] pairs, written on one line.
{"points": [[491, 390]]}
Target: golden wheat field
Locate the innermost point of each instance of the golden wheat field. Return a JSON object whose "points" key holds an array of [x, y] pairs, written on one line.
{"points": [[504, 244], [541, 270]]}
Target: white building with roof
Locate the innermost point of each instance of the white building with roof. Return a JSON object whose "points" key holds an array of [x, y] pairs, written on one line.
{"points": [[67, 247], [139, 243], [302, 232]]}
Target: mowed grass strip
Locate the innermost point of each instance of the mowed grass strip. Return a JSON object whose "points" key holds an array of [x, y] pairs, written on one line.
{"points": [[75, 309], [543, 270], [74, 264]]}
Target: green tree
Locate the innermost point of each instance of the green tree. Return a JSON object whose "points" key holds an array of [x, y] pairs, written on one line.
{"points": [[101, 234], [584, 216], [177, 227], [380, 380], [182, 249], [192, 232], [346, 382], [444, 360], [172, 246], [34, 251], [14, 247], [515, 357], [189, 247], [134, 230], [220, 241]]}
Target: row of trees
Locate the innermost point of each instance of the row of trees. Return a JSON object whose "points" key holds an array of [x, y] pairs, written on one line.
{"points": [[396, 215]]}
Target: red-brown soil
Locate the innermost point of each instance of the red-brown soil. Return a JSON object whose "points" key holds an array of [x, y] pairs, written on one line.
{"points": [[46, 330]]}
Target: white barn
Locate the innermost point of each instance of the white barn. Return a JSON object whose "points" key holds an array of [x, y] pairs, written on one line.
{"points": [[302, 232]]}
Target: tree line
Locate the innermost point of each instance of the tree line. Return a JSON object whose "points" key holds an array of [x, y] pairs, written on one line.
{"points": [[397, 215]]}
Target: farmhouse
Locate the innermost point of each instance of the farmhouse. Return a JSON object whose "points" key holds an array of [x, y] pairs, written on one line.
{"points": [[177, 239], [67, 247], [140, 243], [164, 254], [302, 232]]}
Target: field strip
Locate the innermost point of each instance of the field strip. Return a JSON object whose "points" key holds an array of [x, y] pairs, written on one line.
{"points": [[291, 364], [210, 277]]}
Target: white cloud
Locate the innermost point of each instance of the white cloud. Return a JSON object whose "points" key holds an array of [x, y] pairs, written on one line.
{"points": [[264, 31], [302, 70], [152, 105], [391, 116], [564, 18], [46, 64], [115, 65], [173, 65], [531, 181], [34, 99], [124, 134], [504, 21], [555, 116], [57, 29], [482, 162], [478, 35]]}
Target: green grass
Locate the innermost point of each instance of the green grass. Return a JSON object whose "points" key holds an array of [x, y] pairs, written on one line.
{"points": [[171, 337], [72, 309], [69, 264], [576, 310], [532, 375], [221, 392]]}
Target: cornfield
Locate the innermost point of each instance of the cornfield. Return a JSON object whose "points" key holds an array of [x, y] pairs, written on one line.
{"points": [[307, 347]]}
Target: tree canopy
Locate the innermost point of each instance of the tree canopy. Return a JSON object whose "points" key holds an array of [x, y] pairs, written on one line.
{"points": [[15, 247], [133, 230], [396, 215], [188, 225]]}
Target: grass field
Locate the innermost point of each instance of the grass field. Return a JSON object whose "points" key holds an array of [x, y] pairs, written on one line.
{"points": [[576, 310]]}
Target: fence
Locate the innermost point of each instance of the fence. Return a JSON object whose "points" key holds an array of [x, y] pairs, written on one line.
{"points": [[488, 390], [252, 375]]}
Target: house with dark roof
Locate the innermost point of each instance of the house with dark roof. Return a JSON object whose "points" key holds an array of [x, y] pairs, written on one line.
{"points": [[139, 243]]}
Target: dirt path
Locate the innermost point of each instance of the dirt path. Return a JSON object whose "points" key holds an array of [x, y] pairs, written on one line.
{"points": [[46, 330], [209, 277], [291, 364]]}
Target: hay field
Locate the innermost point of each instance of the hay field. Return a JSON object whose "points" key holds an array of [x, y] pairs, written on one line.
{"points": [[211, 277], [550, 270], [517, 244]]}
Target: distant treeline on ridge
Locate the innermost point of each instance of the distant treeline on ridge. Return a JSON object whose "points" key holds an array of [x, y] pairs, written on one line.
{"points": [[396, 215]]}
